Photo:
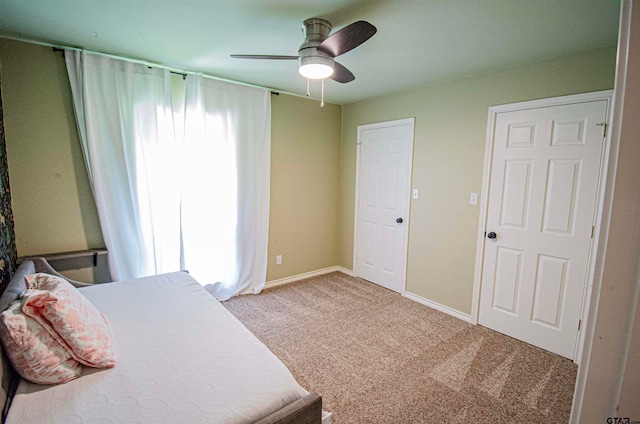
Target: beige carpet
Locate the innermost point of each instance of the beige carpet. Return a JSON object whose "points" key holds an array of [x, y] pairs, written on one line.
{"points": [[376, 357]]}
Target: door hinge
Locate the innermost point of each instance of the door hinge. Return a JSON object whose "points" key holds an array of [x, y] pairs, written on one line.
{"points": [[579, 324], [603, 124], [593, 231]]}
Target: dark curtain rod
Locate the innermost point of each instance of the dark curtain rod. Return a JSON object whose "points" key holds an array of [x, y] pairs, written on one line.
{"points": [[184, 75]]}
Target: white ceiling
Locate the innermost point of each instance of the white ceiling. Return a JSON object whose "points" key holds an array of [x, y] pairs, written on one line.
{"points": [[418, 42]]}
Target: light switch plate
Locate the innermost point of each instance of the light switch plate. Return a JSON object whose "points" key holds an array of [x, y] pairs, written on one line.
{"points": [[473, 199], [415, 193]]}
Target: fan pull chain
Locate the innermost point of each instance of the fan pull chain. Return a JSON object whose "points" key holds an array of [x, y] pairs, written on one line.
{"points": [[322, 95]]}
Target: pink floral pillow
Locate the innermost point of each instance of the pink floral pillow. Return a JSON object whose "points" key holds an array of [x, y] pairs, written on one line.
{"points": [[70, 318], [34, 353]]}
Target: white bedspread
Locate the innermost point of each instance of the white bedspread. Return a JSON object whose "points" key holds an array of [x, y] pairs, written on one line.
{"points": [[182, 358]]}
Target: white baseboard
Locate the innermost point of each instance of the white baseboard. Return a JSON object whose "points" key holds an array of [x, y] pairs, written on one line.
{"points": [[439, 307], [306, 275], [343, 270]]}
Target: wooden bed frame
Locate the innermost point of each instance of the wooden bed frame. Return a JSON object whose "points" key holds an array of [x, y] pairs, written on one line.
{"points": [[307, 410]]}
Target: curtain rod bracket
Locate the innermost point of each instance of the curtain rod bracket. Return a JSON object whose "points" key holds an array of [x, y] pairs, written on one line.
{"points": [[56, 50]]}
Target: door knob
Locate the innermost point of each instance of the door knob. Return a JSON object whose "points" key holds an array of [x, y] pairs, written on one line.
{"points": [[399, 220], [492, 235]]}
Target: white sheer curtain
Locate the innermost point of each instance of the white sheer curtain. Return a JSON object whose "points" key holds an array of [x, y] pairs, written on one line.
{"points": [[125, 123], [227, 140], [195, 199]]}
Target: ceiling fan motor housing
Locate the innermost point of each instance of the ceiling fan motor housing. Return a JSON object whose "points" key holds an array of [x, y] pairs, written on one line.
{"points": [[316, 30], [316, 55]]}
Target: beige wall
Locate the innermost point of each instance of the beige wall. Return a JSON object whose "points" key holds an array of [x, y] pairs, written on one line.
{"points": [[52, 202], [51, 197], [450, 133], [305, 178], [313, 165]]}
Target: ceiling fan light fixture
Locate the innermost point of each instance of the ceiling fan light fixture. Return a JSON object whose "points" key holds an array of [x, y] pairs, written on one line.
{"points": [[316, 71], [316, 67]]}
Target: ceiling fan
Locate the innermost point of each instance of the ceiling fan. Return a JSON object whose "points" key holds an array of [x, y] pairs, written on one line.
{"points": [[316, 55]]}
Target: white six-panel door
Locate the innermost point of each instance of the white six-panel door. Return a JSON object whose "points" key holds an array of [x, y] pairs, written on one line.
{"points": [[382, 203], [541, 206]]}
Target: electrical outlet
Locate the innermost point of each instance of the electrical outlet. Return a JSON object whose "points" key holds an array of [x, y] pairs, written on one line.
{"points": [[279, 260]]}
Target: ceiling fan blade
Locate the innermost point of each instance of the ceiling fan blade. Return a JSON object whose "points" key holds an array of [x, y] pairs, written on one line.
{"points": [[347, 38], [341, 74], [263, 56]]}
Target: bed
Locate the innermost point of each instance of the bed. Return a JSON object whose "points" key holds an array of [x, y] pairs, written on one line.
{"points": [[181, 357]]}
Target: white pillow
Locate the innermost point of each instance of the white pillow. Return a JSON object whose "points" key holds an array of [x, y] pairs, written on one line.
{"points": [[70, 318], [34, 353]]}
